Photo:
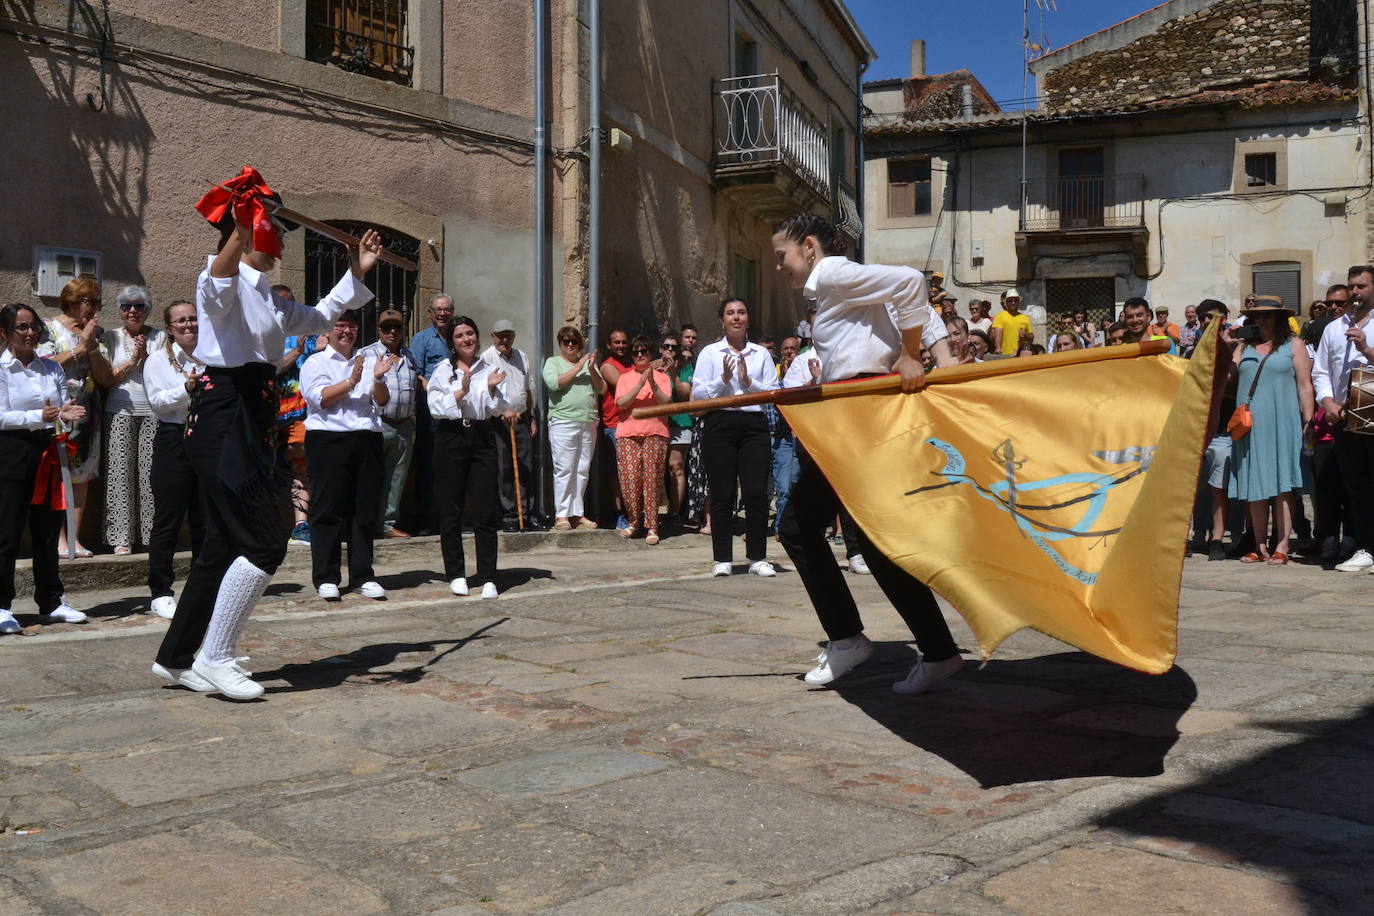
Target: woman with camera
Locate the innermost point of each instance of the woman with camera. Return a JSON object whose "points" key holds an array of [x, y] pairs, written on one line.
{"points": [[1274, 381]]}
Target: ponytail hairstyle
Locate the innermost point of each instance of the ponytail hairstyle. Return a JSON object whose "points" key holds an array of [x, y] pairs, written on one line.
{"points": [[452, 350], [167, 342], [799, 226]]}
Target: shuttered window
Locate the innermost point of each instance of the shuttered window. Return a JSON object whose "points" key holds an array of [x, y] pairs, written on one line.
{"points": [[908, 187], [1282, 279]]}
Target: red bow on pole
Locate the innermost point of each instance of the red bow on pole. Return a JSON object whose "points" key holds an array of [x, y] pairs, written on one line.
{"points": [[243, 192], [47, 487]]}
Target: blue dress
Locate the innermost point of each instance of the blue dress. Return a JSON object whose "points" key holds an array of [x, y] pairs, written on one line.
{"points": [[1268, 461]]}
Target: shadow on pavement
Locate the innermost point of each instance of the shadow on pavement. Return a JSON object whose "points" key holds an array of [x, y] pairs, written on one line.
{"points": [[1306, 810], [334, 670], [1063, 716]]}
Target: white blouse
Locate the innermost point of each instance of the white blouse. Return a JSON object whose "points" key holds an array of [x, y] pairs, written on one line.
{"points": [[129, 396], [164, 380], [25, 390], [478, 404], [758, 365], [353, 413], [854, 333]]}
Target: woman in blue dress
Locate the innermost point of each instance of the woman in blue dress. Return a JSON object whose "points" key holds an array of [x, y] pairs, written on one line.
{"points": [[1267, 463]]}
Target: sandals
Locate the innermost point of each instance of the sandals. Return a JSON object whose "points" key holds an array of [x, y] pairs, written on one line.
{"points": [[627, 532], [562, 525], [1254, 557], [586, 524], [651, 538], [1278, 558]]}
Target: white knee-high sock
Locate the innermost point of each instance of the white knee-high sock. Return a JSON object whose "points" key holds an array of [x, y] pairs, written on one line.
{"points": [[239, 590]]}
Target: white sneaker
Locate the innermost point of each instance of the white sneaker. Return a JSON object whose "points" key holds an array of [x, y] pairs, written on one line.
{"points": [[721, 569], [185, 677], [165, 607], [489, 590], [924, 675], [859, 566], [65, 613], [8, 624], [1358, 562], [372, 589], [328, 591], [762, 568], [835, 661], [459, 587], [229, 679]]}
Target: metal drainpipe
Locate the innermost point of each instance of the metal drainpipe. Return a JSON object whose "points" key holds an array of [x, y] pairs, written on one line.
{"points": [[859, 164], [594, 189], [542, 316]]}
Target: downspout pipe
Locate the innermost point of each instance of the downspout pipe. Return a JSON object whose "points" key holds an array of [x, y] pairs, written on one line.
{"points": [[542, 304], [859, 161], [594, 189]]}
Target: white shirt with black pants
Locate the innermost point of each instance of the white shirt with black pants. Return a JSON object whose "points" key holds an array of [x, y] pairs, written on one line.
{"points": [[735, 446], [855, 336], [176, 494], [343, 455], [465, 453]]}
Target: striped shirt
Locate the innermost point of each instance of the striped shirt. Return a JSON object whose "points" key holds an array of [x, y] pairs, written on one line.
{"points": [[400, 381]]}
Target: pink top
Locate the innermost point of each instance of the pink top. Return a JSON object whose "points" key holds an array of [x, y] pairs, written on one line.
{"points": [[629, 426]]}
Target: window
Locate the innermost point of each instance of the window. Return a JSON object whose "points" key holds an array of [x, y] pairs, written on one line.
{"points": [[361, 36], [1261, 170], [326, 260], [908, 187], [744, 279], [1279, 278]]}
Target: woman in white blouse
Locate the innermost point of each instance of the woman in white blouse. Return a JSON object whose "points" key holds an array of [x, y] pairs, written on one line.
{"points": [[343, 455], [464, 391], [130, 425], [169, 375], [736, 447], [32, 398]]}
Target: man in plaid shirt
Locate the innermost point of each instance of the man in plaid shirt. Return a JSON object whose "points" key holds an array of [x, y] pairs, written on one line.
{"points": [[398, 415]]}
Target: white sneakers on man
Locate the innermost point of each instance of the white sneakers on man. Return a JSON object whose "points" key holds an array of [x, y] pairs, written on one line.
{"points": [[164, 606], [762, 568], [371, 589], [65, 613], [185, 677], [924, 675], [858, 565], [840, 657], [7, 623], [459, 587], [489, 590], [328, 591], [229, 678], [1359, 561], [721, 569]]}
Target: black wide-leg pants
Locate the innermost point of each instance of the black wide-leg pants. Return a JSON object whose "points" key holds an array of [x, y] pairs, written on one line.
{"points": [[466, 480], [347, 491], [812, 506], [21, 451], [736, 447], [176, 494]]}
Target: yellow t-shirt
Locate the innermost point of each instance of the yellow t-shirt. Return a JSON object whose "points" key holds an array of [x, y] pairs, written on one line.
{"points": [[1293, 326], [1012, 326]]}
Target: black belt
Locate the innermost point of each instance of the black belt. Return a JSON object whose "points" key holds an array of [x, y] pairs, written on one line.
{"points": [[463, 422]]}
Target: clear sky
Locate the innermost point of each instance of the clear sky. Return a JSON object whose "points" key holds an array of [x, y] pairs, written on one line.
{"points": [[981, 35]]}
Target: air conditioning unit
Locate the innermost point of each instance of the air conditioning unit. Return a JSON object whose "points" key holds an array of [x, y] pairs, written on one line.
{"points": [[54, 268]]}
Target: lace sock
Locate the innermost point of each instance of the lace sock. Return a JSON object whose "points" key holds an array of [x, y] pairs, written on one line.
{"points": [[239, 590]]}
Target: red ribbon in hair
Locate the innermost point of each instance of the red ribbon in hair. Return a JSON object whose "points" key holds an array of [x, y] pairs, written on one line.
{"points": [[248, 189], [47, 487]]}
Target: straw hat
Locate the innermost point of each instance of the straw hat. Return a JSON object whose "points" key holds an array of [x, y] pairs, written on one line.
{"points": [[1266, 305]]}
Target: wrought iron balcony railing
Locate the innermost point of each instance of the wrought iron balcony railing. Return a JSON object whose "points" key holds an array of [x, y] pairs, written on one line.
{"points": [[361, 36], [846, 210], [1098, 202], [760, 122]]}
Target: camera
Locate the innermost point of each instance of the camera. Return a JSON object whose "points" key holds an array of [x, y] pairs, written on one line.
{"points": [[1249, 333]]}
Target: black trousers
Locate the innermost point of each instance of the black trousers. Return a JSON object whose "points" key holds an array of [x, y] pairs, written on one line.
{"points": [[465, 454], [736, 448], [234, 413], [811, 507], [175, 495], [1328, 494], [21, 451], [347, 491], [425, 426], [524, 456], [1355, 455]]}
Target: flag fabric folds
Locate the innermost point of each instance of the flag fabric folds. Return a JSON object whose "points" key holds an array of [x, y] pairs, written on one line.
{"points": [[1049, 493]]}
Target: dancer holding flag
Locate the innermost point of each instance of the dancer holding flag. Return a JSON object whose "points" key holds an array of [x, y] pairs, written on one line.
{"points": [[231, 425], [855, 337]]}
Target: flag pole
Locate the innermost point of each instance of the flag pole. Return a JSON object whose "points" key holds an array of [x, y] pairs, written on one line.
{"points": [[947, 376]]}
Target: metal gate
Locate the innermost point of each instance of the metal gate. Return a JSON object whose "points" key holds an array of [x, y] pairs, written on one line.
{"points": [[1094, 295], [326, 260]]}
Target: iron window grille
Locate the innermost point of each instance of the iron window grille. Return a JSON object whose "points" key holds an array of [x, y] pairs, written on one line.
{"points": [[361, 36]]}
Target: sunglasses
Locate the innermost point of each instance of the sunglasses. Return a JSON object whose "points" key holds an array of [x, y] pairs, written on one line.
{"points": [[1336, 302], [568, 343], [388, 328], [133, 306], [640, 351], [88, 300], [670, 346]]}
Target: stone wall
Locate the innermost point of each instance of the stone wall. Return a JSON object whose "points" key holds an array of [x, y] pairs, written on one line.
{"points": [[1230, 43]]}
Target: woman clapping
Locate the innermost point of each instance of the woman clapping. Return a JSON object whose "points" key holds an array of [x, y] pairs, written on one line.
{"points": [[641, 446]]}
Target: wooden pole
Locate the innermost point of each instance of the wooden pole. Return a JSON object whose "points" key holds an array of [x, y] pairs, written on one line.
{"points": [[947, 376], [515, 470]]}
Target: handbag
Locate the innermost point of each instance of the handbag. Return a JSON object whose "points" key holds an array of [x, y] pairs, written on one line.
{"points": [[1242, 420]]}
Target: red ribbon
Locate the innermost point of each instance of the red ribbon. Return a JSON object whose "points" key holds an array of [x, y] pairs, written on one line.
{"points": [[47, 487], [248, 188]]}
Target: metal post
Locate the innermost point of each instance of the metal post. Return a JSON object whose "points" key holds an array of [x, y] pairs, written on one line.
{"points": [[542, 309], [594, 189]]}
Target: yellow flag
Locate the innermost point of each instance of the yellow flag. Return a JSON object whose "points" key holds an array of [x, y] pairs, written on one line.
{"points": [[1046, 493]]}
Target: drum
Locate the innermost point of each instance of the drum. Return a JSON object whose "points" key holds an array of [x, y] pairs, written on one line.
{"points": [[1359, 404]]}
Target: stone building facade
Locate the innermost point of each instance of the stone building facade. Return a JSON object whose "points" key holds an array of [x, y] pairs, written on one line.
{"points": [[1203, 149]]}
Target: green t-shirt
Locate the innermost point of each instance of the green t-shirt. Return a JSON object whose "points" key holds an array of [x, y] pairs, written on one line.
{"points": [[578, 401], [683, 419]]}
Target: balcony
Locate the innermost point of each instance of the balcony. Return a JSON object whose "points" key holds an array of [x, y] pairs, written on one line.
{"points": [[771, 153], [846, 210], [1104, 214]]}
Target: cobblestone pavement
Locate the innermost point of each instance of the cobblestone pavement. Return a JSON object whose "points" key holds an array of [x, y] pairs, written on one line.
{"points": [[620, 734]]}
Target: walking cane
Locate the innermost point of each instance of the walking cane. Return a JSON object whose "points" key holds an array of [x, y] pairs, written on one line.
{"points": [[515, 473]]}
